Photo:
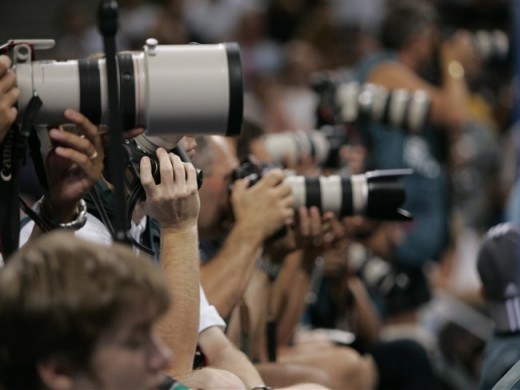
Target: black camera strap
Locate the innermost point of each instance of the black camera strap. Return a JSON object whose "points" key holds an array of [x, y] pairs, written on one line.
{"points": [[12, 152], [37, 159], [9, 197], [108, 19]]}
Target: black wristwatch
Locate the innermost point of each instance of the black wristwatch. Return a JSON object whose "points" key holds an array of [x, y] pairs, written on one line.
{"points": [[261, 387]]}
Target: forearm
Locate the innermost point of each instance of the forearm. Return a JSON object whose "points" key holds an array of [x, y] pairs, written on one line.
{"points": [[368, 323], [258, 300], [210, 378], [225, 277], [455, 94], [294, 307], [231, 359], [179, 327]]}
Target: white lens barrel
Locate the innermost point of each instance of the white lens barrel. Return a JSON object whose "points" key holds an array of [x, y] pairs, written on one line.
{"points": [[341, 195], [187, 89], [57, 85], [359, 194], [347, 98], [281, 146], [331, 193], [379, 102], [418, 111], [170, 89], [399, 100], [297, 184], [292, 144]]}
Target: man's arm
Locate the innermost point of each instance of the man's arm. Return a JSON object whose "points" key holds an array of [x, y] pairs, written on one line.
{"points": [[222, 354], [174, 203], [314, 235], [259, 211], [73, 165], [449, 100]]}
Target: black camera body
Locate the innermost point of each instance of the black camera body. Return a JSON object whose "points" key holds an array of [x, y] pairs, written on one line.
{"points": [[143, 146], [251, 171]]}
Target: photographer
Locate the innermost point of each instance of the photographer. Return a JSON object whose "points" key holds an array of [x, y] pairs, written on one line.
{"points": [[258, 211], [280, 301], [348, 370], [409, 36], [73, 164], [79, 315], [175, 203], [8, 96], [224, 365], [498, 262]]}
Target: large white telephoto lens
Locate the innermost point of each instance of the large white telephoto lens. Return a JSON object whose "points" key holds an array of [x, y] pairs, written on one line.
{"points": [[179, 89], [293, 144], [374, 194]]}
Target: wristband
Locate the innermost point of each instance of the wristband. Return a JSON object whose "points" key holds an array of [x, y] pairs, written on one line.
{"points": [[51, 223], [261, 387]]}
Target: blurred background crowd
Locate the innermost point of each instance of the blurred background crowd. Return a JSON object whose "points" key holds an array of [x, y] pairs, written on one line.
{"points": [[293, 52]]}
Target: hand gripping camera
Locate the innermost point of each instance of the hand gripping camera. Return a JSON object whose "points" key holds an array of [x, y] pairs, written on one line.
{"points": [[166, 89]]}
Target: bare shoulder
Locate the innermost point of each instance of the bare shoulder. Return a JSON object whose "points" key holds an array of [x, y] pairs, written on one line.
{"points": [[395, 75]]}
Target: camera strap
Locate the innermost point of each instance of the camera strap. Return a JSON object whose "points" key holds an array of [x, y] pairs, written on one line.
{"points": [[37, 159], [12, 152], [108, 22]]}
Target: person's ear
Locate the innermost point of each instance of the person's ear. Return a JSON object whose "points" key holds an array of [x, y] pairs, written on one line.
{"points": [[56, 373]]}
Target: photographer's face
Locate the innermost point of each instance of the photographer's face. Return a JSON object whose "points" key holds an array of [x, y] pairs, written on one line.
{"points": [[189, 144], [128, 355], [214, 194]]}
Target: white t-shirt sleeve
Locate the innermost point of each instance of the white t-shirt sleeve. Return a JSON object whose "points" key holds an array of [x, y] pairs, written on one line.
{"points": [[208, 314]]}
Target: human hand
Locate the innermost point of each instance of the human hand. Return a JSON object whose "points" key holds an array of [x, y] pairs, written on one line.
{"points": [[317, 234], [263, 208], [459, 47], [354, 157], [8, 96], [74, 164], [174, 202], [303, 164]]}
